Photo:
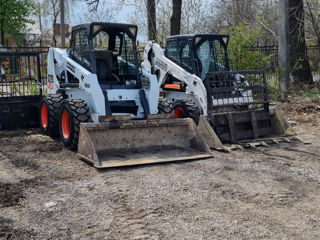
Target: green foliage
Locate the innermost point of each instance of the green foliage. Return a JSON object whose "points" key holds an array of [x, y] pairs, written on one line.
{"points": [[34, 89], [274, 90], [15, 15], [309, 93], [242, 57], [297, 65]]}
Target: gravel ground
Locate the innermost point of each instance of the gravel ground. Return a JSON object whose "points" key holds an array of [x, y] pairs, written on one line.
{"points": [[46, 192]]}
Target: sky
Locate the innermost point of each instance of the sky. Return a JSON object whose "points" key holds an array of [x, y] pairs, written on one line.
{"points": [[78, 8]]}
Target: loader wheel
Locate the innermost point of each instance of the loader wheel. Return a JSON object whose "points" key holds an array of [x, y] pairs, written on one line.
{"points": [[73, 112], [185, 109], [165, 106], [49, 114]]}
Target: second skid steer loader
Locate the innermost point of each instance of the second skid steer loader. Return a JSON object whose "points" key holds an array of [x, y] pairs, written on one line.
{"points": [[103, 105], [195, 79]]}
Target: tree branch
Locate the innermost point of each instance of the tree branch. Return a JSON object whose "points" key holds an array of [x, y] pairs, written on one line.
{"points": [[93, 3], [267, 28]]}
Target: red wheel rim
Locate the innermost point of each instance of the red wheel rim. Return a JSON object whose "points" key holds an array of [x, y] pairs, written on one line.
{"points": [[44, 116], [65, 125], [179, 113]]}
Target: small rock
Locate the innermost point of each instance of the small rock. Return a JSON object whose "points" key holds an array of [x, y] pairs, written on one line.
{"points": [[50, 204], [292, 123]]}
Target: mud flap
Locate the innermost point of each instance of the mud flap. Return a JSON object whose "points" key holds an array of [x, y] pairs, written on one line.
{"points": [[134, 142]]}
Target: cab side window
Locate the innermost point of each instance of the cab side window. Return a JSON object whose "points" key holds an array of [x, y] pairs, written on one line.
{"points": [[80, 48], [185, 56], [172, 51]]}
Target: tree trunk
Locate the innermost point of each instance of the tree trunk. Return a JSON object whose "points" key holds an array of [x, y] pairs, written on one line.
{"points": [[2, 32], [152, 24], [284, 48], [62, 32], [314, 23], [175, 20], [300, 66], [1, 24], [54, 32]]}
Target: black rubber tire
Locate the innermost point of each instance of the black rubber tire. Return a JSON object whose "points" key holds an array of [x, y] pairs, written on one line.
{"points": [[53, 104], [165, 106], [189, 108], [78, 112]]}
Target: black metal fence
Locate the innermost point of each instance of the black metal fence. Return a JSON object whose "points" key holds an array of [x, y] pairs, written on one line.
{"points": [[313, 53], [22, 68]]}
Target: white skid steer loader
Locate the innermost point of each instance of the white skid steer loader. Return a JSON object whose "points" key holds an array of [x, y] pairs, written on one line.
{"points": [[195, 79], [103, 105]]}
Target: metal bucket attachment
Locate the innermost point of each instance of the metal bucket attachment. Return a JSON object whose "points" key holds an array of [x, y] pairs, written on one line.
{"points": [[135, 142]]}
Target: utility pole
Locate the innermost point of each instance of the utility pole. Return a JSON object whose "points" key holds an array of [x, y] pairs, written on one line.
{"points": [[284, 46], [62, 32]]}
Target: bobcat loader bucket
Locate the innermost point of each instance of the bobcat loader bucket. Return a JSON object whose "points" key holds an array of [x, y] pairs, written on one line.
{"points": [[119, 143]]}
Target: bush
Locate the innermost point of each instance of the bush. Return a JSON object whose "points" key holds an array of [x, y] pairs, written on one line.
{"points": [[240, 49]]}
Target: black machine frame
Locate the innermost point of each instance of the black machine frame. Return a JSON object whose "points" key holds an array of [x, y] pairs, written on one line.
{"points": [[20, 87], [247, 119]]}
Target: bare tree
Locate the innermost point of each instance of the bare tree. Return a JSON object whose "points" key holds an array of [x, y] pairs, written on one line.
{"points": [[300, 67], [52, 8], [140, 19], [312, 19], [233, 12], [164, 14], [151, 18], [267, 17], [196, 16], [104, 12], [93, 4], [175, 20]]}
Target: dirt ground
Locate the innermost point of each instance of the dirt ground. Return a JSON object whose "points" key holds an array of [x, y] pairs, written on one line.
{"points": [[272, 192]]}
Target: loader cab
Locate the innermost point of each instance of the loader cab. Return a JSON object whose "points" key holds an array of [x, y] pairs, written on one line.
{"points": [[109, 51], [199, 53]]}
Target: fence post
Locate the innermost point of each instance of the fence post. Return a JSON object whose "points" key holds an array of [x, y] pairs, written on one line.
{"points": [[39, 73]]}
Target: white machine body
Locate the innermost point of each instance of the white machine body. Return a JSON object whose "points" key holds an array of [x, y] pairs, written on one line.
{"points": [[156, 62], [91, 91]]}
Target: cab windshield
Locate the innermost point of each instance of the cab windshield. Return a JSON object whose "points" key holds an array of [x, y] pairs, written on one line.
{"points": [[115, 56], [212, 57]]}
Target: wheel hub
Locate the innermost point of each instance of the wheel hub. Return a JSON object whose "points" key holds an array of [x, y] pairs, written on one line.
{"points": [[65, 125], [44, 116], [179, 113]]}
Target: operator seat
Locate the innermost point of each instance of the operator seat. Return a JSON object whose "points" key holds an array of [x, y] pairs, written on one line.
{"points": [[104, 66]]}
